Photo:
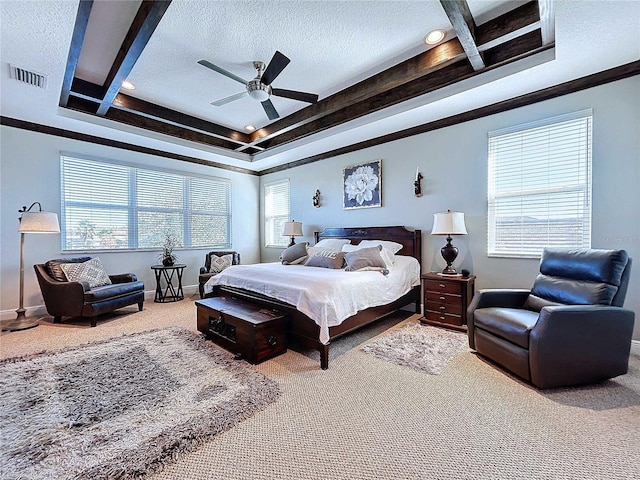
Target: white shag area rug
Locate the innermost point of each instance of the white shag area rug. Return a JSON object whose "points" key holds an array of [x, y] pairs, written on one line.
{"points": [[421, 347], [121, 408]]}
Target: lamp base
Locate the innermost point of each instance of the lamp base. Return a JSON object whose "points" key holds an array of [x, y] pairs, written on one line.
{"points": [[449, 253], [20, 323], [449, 274], [292, 242]]}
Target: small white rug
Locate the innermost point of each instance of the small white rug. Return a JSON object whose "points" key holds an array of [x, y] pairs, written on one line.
{"points": [[421, 347]]}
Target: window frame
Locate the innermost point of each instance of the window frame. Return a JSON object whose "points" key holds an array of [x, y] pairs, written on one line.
{"points": [[271, 220], [581, 189], [132, 209]]}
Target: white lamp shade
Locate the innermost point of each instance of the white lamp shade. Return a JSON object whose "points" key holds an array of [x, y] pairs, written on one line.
{"points": [[448, 223], [39, 222], [292, 229]]}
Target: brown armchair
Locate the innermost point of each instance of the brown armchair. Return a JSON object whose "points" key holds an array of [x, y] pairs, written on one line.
{"points": [[205, 274], [77, 299], [569, 329]]}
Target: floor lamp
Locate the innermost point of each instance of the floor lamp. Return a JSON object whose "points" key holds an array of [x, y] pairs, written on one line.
{"points": [[30, 222]]}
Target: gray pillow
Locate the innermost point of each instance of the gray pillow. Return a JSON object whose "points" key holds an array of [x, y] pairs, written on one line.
{"points": [[366, 259], [325, 259], [295, 254]]}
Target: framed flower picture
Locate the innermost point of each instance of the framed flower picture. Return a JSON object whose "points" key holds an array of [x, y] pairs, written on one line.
{"points": [[362, 185]]}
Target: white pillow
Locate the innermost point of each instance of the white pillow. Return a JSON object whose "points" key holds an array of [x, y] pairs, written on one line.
{"points": [[386, 254], [332, 243], [393, 246], [90, 271]]}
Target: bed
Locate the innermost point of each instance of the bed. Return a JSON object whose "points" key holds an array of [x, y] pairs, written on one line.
{"points": [[308, 333]]}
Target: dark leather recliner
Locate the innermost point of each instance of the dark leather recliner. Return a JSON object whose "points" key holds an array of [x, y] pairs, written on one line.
{"points": [[569, 329], [77, 299], [205, 274]]}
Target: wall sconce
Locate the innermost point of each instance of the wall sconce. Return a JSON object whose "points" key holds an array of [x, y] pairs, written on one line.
{"points": [[417, 187], [316, 199]]}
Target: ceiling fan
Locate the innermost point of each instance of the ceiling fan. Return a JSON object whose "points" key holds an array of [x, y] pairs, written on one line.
{"points": [[260, 87]]}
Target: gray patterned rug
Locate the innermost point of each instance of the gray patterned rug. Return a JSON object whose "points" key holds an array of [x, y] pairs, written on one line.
{"points": [[121, 408], [421, 347]]}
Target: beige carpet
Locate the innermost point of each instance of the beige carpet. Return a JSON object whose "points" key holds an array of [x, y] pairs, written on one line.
{"points": [[366, 418]]}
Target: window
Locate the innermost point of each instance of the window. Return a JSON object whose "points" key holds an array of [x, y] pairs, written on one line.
{"points": [[111, 206], [276, 213], [539, 190]]}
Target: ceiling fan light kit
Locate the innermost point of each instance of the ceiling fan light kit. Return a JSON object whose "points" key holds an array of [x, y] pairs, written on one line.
{"points": [[260, 88]]}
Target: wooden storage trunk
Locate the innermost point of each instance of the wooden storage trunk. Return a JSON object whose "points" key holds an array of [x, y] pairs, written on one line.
{"points": [[251, 331]]}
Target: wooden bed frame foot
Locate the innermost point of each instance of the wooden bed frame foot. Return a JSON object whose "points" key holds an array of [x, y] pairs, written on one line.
{"points": [[324, 357]]}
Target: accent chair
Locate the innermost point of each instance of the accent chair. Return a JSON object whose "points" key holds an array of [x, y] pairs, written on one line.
{"points": [[569, 329]]}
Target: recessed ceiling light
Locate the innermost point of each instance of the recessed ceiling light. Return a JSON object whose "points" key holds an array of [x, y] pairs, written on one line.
{"points": [[435, 36], [250, 128], [128, 85]]}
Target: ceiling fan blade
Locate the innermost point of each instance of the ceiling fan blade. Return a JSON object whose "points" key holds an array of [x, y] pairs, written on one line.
{"points": [[229, 99], [276, 65], [295, 95], [270, 110], [218, 69]]}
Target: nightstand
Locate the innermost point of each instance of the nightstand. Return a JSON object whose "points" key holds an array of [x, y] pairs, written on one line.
{"points": [[445, 300]]}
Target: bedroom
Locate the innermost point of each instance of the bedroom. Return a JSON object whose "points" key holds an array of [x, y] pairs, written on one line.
{"points": [[452, 160]]}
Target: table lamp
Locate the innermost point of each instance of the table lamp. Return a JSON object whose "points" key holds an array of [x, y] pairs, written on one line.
{"points": [[292, 229], [449, 223]]}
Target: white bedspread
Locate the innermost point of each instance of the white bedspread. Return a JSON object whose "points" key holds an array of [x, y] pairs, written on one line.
{"points": [[325, 295]]}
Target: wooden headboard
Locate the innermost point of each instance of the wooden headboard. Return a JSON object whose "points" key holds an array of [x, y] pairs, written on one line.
{"points": [[411, 240]]}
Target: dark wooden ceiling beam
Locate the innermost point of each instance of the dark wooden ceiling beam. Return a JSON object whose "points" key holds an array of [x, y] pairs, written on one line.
{"points": [[151, 110], [501, 28], [90, 91], [572, 86], [460, 70], [514, 23], [547, 21], [394, 77], [164, 128], [144, 24], [77, 39], [465, 27], [450, 75]]}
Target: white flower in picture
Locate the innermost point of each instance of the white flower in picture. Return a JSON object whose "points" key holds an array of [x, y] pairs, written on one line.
{"points": [[361, 184]]}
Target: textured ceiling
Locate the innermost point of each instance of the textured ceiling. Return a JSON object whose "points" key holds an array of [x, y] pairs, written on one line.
{"points": [[332, 45]]}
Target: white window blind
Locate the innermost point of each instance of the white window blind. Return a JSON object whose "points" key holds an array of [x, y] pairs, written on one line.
{"points": [[109, 206], [276, 213], [539, 190]]}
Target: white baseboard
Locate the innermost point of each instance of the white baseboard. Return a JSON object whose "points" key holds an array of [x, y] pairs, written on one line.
{"points": [[635, 347], [41, 310]]}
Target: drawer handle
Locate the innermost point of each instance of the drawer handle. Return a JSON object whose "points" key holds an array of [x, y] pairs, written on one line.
{"points": [[442, 318], [272, 340], [442, 298], [441, 285], [443, 308]]}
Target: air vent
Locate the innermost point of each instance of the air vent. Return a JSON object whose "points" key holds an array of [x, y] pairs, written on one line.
{"points": [[26, 76]]}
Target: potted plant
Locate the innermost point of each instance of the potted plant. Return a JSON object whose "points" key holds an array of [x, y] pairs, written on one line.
{"points": [[167, 256]]}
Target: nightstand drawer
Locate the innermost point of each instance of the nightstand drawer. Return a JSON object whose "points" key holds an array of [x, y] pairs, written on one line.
{"points": [[443, 286], [441, 308], [441, 297], [444, 318]]}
